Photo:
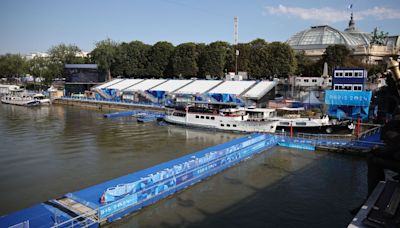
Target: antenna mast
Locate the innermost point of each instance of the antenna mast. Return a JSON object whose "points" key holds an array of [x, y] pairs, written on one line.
{"points": [[235, 42]]}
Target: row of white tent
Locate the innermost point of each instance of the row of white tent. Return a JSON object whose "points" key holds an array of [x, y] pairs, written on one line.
{"points": [[246, 89]]}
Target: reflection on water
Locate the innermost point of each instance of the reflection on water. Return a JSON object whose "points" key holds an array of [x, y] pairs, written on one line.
{"points": [[48, 151]]}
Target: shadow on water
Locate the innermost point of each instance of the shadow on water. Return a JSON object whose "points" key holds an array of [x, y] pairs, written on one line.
{"points": [[279, 188]]}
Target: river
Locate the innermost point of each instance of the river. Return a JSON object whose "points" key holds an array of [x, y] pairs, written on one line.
{"points": [[46, 152]]}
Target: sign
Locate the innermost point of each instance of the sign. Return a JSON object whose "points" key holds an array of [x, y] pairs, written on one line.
{"points": [[348, 98]]}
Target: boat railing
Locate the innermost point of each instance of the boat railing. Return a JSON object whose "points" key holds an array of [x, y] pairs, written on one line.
{"points": [[111, 101], [84, 220]]}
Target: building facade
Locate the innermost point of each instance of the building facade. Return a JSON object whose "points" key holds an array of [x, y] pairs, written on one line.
{"points": [[315, 40]]}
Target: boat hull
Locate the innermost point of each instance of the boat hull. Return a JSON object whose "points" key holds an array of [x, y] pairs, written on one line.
{"points": [[222, 123]]}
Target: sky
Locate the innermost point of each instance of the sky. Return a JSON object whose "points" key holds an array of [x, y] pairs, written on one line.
{"points": [[36, 25]]}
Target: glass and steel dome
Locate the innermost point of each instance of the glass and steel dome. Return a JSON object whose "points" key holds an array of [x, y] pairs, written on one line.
{"points": [[322, 36]]}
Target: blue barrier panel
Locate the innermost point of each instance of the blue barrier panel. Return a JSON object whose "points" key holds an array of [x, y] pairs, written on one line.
{"points": [[167, 178]]}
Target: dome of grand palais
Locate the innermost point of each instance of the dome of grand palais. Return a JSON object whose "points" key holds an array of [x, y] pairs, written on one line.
{"points": [[316, 39]]}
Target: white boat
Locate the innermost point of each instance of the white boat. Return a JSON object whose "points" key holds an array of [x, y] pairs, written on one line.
{"points": [[291, 118], [20, 97], [215, 117], [42, 99]]}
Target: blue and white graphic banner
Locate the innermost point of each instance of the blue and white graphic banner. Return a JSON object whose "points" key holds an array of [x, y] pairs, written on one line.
{"points": [[348, 98]]}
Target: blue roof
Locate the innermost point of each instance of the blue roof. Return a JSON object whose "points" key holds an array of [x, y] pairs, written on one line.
{"points": [[81, 66]]}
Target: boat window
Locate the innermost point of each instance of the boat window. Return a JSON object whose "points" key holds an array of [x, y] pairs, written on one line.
{"points": [[212, 117], [301, 123], [284, 123], [222, 125], [202, 117], [207, 117], [228, 125], [197, 116], [234, 125]]}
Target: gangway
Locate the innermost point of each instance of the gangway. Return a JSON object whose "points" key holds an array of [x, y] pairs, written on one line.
{"points": [[102, 93], [148, 96], [345, 142]]}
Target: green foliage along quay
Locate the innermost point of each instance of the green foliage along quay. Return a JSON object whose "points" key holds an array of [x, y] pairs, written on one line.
{"points": [[164, 60]]}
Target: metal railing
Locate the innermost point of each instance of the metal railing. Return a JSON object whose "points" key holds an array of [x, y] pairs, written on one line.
{"points": [[112, 101]]}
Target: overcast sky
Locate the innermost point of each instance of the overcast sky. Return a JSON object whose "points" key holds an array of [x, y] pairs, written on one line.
{"points": [[36, 25]]}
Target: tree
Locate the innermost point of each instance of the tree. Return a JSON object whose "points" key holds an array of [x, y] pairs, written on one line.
{"points": [[45, 68], [282, 60], [243, 63], [62, 54], [213, 59], [258, 58], [336, 56], [12, 65], [184, 60], [104, 55], [132, 59], [159, 58]]}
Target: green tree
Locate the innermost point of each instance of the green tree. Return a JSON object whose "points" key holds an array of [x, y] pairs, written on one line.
{"points": [[62, 54], [282, 60], [258, 58], [159, 58], [12, 65], [132, 59], [336, 56], [243, 63], [104, 55], [45, 68], [214, 57], [184, 60]]}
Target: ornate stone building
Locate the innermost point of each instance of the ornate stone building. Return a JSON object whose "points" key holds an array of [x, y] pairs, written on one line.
{"points": [[315, 40]]}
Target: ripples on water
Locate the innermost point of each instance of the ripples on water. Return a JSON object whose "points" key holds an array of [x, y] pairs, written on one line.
{"points": [[48, 151]]}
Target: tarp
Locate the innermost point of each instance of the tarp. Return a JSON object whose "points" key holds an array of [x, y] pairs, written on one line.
{"points": [[157, 93], [311, 99], [348, 104], [225, 97]]}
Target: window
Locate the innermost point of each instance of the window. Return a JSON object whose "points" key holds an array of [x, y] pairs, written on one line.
{"points": [[359, 74], [301, 123], [207, 117], [197, 116], [228, 125], [347, 87], [338, 73], [305, 80], [284, 123], [338, 87], [212, 117], [202, 117], [222, 125], [234, 125], [357, 87], [314, 80]]}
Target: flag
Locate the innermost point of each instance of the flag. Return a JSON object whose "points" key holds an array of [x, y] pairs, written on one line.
{"points": [[351, 6]]}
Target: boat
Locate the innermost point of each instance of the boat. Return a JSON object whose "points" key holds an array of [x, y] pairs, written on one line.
{"points": [[222, 116], [296, 119], [22, 98], [41, 98]]}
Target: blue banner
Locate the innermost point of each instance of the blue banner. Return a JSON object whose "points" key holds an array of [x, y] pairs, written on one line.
{"points": [[348, 98]]}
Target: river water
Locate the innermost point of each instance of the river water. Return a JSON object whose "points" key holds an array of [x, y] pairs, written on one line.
{"points": [[46, 152]]}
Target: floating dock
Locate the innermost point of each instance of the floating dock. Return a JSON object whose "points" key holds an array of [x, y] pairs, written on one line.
{"points": [[111, 200]]}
